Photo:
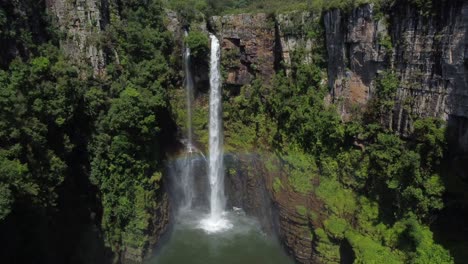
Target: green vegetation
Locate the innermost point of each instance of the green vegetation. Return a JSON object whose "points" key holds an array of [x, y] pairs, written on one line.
{"points": [[302, 210], [216, 7], [61, 128], [386, 42], [372, 182], [198, 43], [370, 251], [38, 97], [74, 145], [127, 149], [301, 170], [277, 185]]}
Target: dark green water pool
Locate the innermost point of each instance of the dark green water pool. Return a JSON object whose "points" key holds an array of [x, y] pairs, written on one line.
{"points": [[243, 243]]}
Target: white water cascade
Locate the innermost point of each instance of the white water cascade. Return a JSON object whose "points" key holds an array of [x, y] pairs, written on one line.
{"points": [[186, 180], [215, 222], [189, 90]]}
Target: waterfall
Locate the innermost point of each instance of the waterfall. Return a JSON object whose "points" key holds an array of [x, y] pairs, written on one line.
{"points": [[186, 180], [216, 167], [215, 221], [189, 90]]}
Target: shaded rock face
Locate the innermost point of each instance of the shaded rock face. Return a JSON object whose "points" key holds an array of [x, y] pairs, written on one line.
{"points": [[200, 69], [82, 22], [429, 55], [354, 55], [246, 188], [201, 185], [295, 228], [249, 185], [458, 135]]}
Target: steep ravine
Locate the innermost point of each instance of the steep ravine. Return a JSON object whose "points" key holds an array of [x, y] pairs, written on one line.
{"points": [[429, 53]]}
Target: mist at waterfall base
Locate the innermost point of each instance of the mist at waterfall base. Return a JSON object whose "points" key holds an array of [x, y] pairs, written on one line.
{"points": [[204, 231], [243, 243], [189, 242]]}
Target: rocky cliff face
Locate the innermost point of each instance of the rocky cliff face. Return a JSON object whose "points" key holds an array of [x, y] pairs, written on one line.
{"points": [[354, 55], [246, 190], [296, 32], [430, 57], [159, 223], [248, 43], [429, 54], [81, 21], [249, 185]]}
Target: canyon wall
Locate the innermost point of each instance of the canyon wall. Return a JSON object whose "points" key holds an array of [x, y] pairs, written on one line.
{"points": [[428, 53]]}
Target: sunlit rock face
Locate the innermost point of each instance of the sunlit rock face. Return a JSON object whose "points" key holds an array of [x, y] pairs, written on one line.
{"points": [[248, 43], [428, 54], [354, 55]]}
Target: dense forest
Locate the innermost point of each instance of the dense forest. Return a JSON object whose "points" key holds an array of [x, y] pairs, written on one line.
{"points": [[82, 153], [74, 144]]}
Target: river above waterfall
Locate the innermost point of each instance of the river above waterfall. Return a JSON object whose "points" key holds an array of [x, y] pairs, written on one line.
{"points": [[243, 243]]}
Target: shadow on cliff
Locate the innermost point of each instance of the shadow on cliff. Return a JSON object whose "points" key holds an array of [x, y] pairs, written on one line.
{"points": [[68, 232], [450, 227]]}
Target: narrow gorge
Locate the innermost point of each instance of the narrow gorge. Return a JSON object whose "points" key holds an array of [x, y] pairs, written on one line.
{"points": [[199, 131]]}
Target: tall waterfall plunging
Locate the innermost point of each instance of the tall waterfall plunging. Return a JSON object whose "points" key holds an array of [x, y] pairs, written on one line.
{"points": [[205, 231], [189, 90], [215, 221], [186, 176], [216, 166]]}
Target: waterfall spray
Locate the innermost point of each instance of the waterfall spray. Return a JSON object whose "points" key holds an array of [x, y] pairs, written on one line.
{"points": [[187, 171]]}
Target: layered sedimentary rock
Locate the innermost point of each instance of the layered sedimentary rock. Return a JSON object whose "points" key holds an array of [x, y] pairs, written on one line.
{"points": [[354, 55], [427, 52]]}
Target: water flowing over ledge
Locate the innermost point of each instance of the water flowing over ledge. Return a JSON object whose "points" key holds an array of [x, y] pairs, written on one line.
{"points": [[216, 221]]}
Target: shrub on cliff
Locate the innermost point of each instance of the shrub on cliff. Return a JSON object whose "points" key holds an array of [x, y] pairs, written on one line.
{"points": [[198, 42]]}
